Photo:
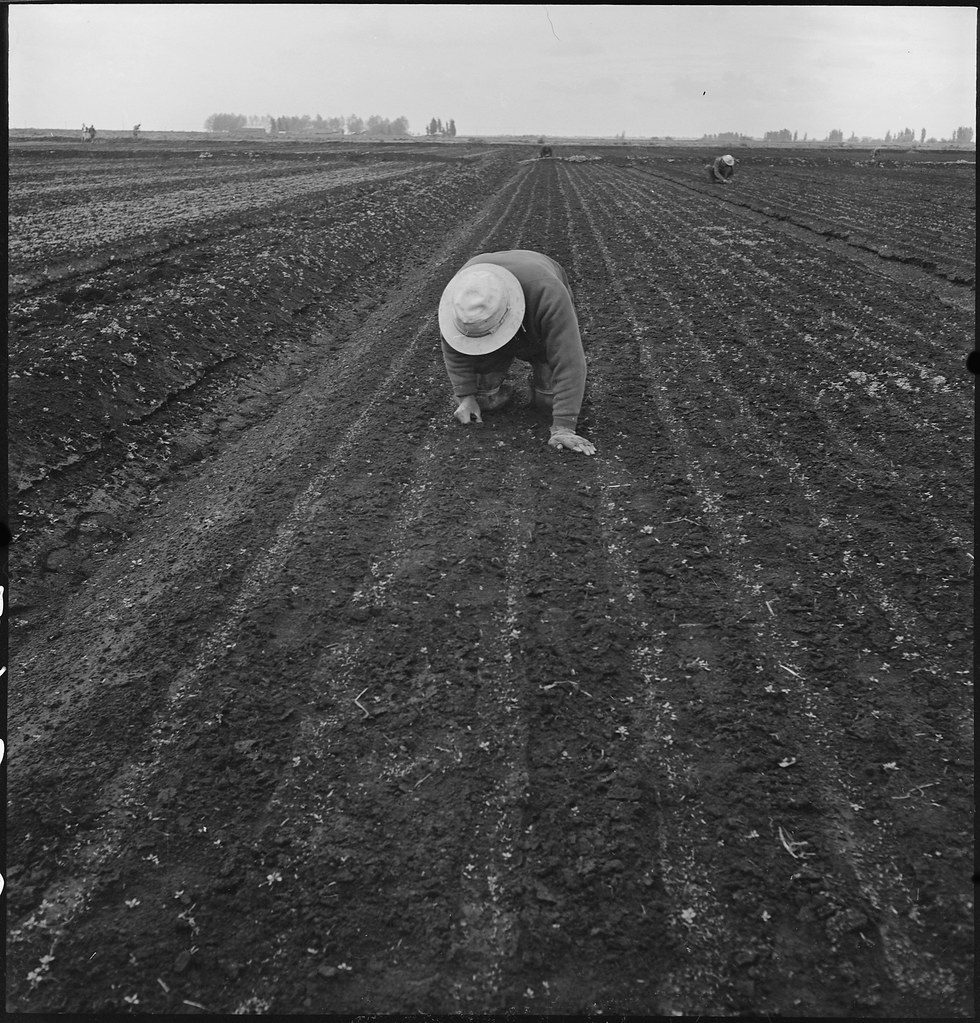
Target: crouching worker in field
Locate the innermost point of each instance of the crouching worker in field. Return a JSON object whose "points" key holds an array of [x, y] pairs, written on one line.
{"points": [[721, 169], [511, 305]]}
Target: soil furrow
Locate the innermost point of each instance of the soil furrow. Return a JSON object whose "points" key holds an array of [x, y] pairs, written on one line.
{"points": [[328, 704], [896, 942], [304, 511], [700, 953], [113, 221], [779, 291], [777, 367], [751, 431], [845, 442], [891, 251], [258, 580]]}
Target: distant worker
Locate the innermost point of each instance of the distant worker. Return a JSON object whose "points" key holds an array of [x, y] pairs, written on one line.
{"points": [[136, 131], [91, 133], [721, 169], [508, 305]]}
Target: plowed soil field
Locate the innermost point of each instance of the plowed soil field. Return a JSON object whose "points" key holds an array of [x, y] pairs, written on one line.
{"points": [[320, 702]]}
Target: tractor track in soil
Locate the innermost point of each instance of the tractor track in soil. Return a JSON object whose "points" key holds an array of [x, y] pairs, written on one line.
{"points": [[372, 713]]}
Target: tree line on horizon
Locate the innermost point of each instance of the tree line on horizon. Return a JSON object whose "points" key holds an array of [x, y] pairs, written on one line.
{"points": [[435, 127], [350, 125], [836, 136], [377, 125]]}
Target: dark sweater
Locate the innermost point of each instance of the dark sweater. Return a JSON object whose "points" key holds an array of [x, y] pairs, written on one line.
{"points": [[549, 334], [720, 169]]}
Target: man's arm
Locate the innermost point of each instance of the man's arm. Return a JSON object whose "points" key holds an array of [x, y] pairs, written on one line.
{"points": [[462, 375], [557, 326], [461, 370]]}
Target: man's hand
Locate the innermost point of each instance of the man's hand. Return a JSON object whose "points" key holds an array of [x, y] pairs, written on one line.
{"points": [[468, 408], [564, 438]]}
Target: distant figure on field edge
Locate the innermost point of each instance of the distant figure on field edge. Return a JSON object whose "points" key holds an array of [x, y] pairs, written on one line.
{"points": [[515, 304], [136, 131], [721, 169], [91, 133]]}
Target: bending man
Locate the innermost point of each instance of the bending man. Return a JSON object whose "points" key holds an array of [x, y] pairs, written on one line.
{"points": [[722, 169], [511, 305]]}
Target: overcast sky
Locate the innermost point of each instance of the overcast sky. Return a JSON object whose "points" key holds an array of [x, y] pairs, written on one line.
{"points": [[595, 70]]}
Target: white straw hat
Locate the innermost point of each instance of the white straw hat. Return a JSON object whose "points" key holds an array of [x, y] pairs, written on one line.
{"points": [[730, 160], [481, 309]]}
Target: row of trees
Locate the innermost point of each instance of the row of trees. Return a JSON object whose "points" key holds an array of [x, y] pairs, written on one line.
{"points": [[225, 122], [901, 138], [727, 136], [907, 137], [352, 125], [435, 127], [376, 125], [783, 135]]}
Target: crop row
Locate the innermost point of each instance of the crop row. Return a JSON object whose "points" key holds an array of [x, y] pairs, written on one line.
{"points": [[756, 389], [925, 340], [341, 434], [539, 753], [122, 348], [931, 223], [783, 503], [874, 360], [68, 184], [558, 717], [47, 235]]}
